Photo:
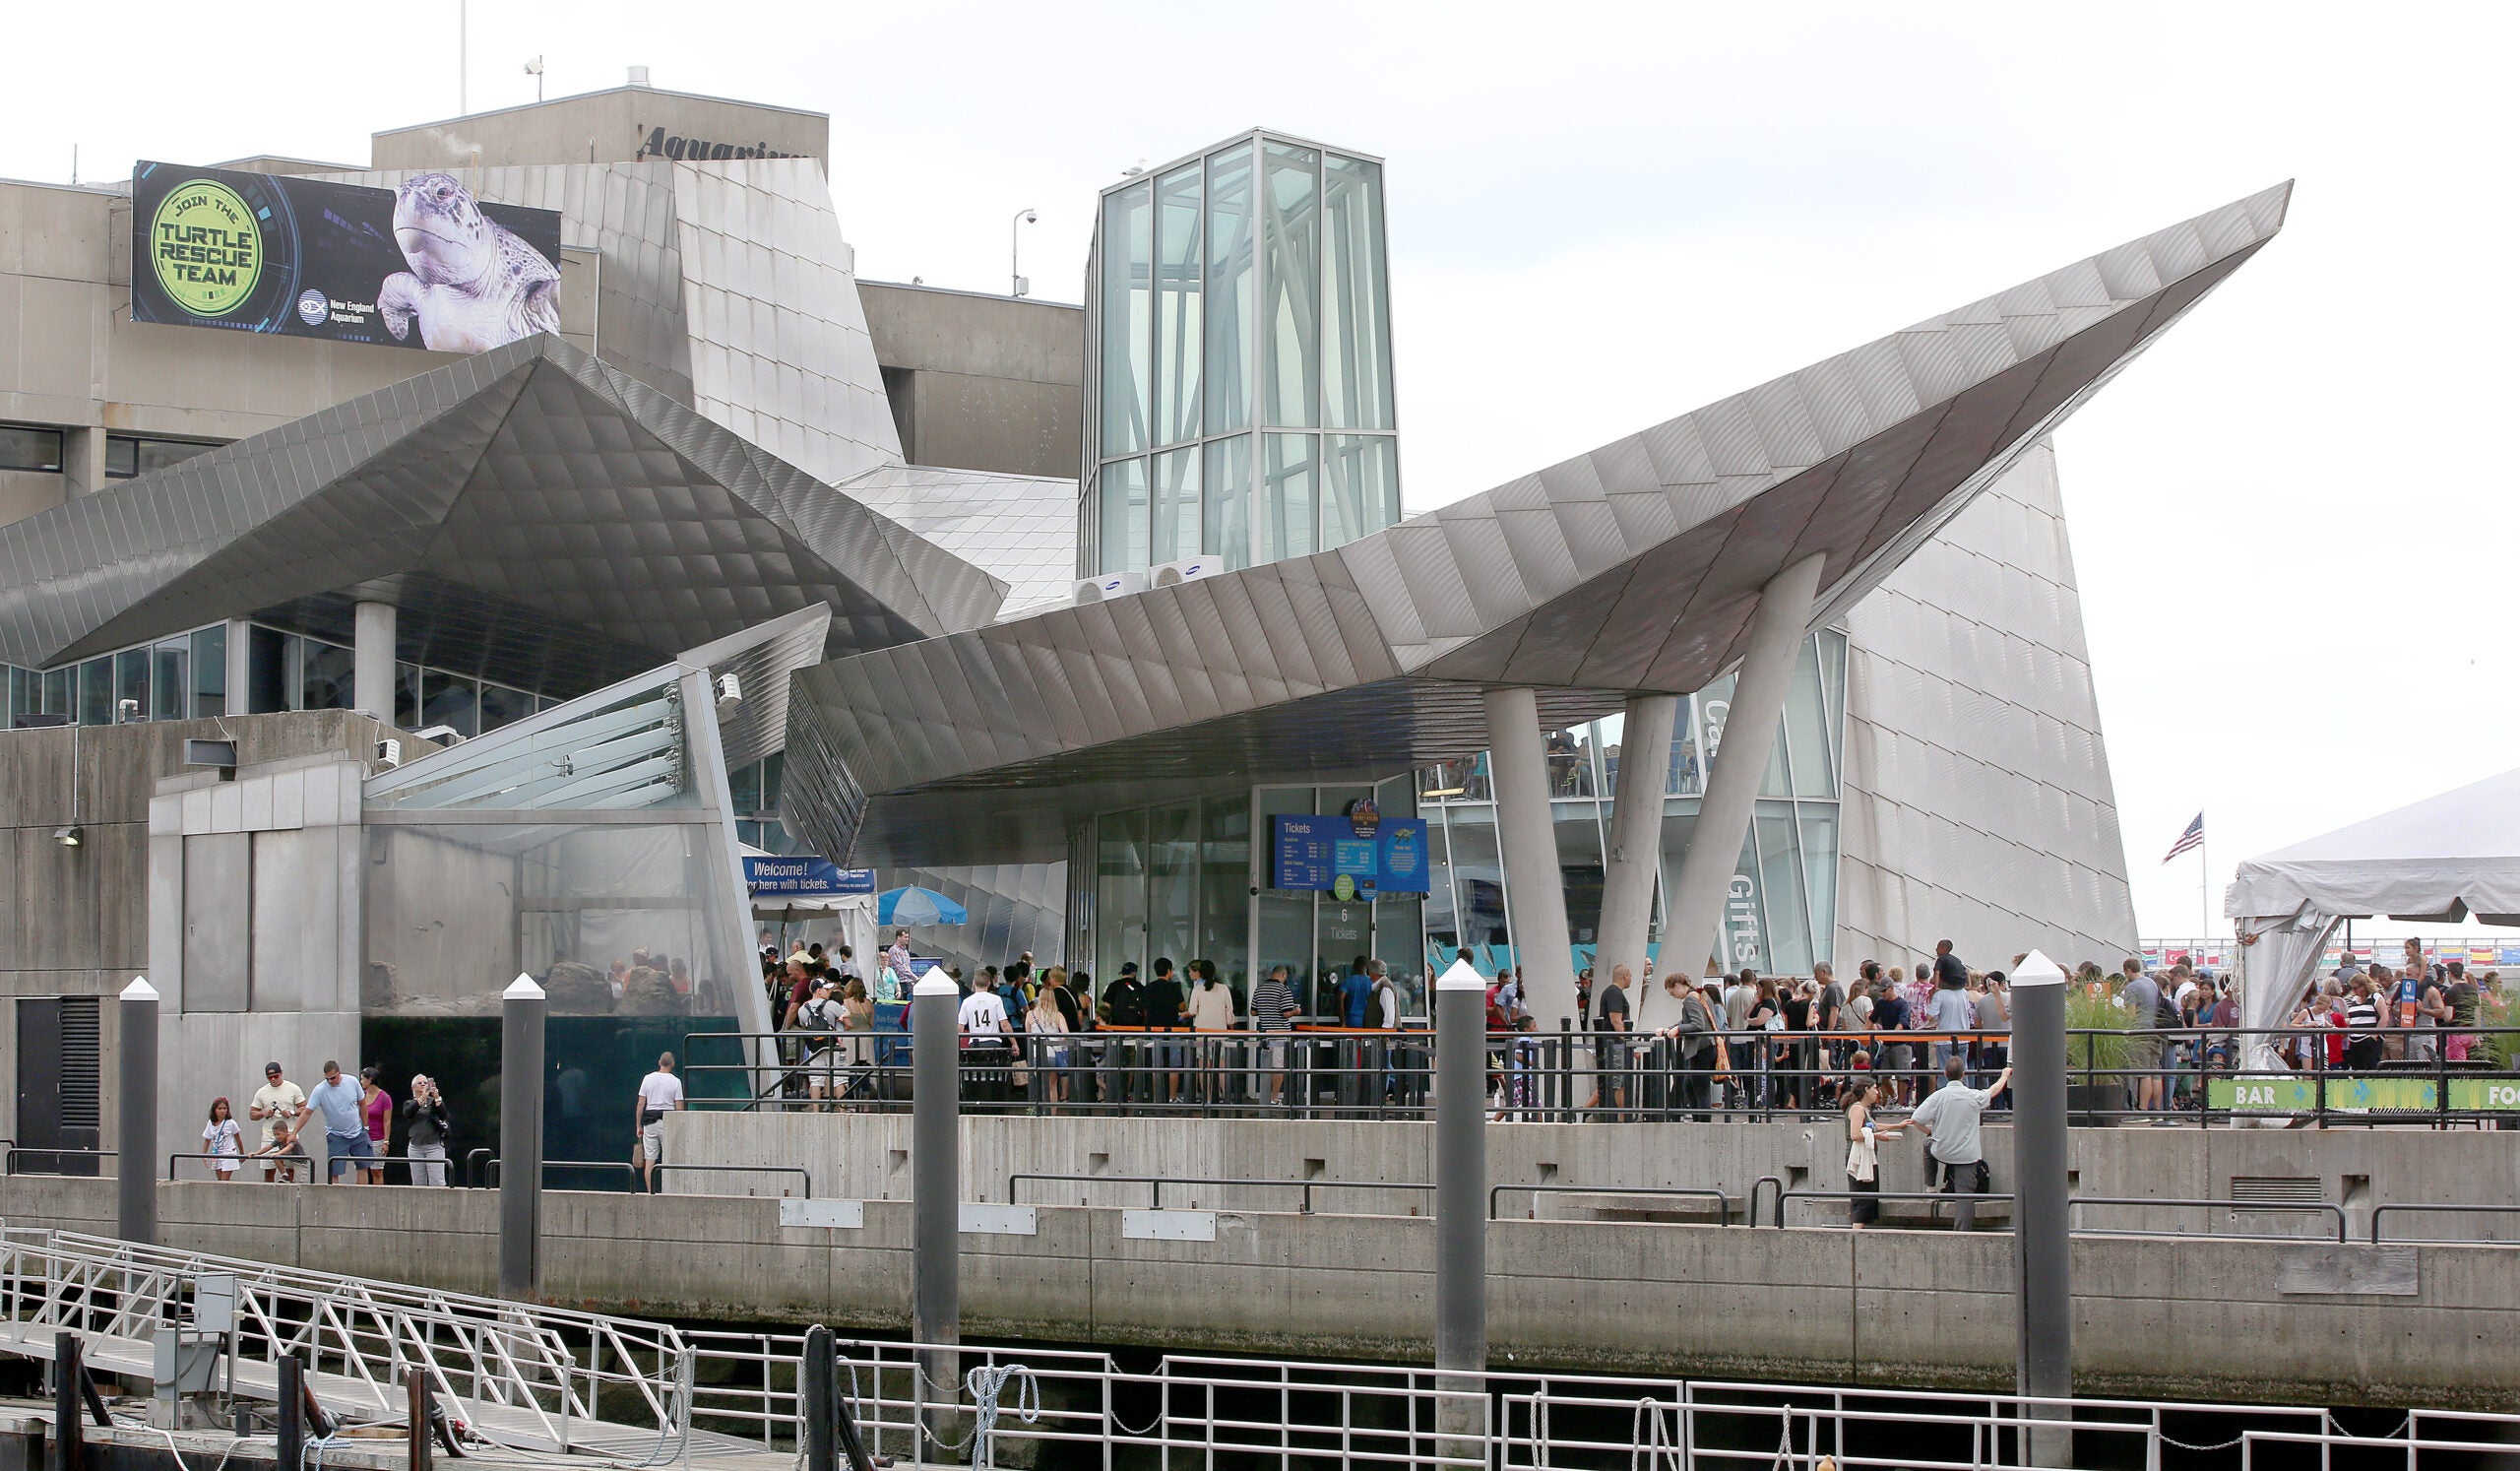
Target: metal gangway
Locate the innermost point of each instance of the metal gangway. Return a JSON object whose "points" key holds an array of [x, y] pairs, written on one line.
{"points": [[518, 1375]]}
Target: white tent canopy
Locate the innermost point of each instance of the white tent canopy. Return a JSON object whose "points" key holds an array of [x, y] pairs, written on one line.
{"points": [[2444, 858]]}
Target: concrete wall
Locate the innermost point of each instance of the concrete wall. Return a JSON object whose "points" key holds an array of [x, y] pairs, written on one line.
{"points": [[981, 382], [2194, 1319], [76, 921], [867, 1155], [613, 126]]}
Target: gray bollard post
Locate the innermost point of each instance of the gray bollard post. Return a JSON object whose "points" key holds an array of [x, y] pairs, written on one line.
{"points": [[2043, 1243], [136, 1139], [1460, 1198], [520, 1140], [936, 1195]]}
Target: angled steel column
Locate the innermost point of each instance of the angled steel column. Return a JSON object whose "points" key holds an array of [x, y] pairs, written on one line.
{"points": [[1636, 837], [2043, 1243], [1777, 628], [520, 1016], [372, 659], [136, 1136], [936, 1199], [1527, 840]]}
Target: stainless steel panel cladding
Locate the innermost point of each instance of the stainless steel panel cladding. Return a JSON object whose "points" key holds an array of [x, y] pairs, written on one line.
{"points": [[528, 484], [964, 750]]}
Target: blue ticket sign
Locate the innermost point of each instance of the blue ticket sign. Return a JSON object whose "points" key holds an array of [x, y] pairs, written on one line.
{"points": [[1318, 852], [805, 877]]}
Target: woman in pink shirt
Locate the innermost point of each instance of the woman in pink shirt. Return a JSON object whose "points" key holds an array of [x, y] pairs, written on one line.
{"points": [[377, 1105]]}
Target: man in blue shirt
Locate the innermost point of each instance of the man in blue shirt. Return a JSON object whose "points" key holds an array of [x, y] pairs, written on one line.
{"points": [[1356, 993], [337, 1100]]}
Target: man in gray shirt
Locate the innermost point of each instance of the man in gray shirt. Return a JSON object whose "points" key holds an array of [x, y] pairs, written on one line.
{"points": [[1954, 1156], [2143, 997]]}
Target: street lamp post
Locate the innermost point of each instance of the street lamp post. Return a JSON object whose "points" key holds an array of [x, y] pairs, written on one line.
{"points": [[1015, 250]]}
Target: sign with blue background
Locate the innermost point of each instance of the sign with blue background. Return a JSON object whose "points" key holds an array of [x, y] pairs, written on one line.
{"points": [[1315, 853], [805, 877]]}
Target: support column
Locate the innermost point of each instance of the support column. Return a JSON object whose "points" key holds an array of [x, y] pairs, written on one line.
{"points": [[240, 667], [1460, 1198], [372, 659], [520, 1140], [136, 1136], [1696, 901], [1527, 840], [1636, 838], [2041, 1241], [83, 461], [936, 1201]]}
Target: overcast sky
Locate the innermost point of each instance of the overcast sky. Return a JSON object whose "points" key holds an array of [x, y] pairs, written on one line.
{"points": [[2293, 520]]}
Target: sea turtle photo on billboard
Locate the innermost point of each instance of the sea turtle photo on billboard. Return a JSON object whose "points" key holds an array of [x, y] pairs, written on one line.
{"points": [[473, 284]]}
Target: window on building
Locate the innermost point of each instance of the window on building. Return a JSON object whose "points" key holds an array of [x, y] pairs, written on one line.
{"points": [[210, 671], [26, 447], [325, 672], [129, 455]]}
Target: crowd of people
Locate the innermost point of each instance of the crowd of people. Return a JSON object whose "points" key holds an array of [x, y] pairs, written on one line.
{"points": [[352, 1118]]}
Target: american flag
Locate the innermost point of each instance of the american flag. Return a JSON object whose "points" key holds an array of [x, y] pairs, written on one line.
{"points": [[2194, 835]]}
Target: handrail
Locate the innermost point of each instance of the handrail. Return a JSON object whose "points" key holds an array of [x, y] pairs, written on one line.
{"points": [[1157, 1183], [2379, 1211], [9, 1161], [365, 1161], [1946, 1196], [2299, 1206], [804, 1176], [1722, 1202], [1765, 1179]]}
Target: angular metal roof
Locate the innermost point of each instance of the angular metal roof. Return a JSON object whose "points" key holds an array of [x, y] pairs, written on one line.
{"points": [[535, 516], [1634, 567], [1018, 527]]}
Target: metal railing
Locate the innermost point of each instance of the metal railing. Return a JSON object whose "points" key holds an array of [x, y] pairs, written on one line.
{"points": [[1565, 1075], [2379, 1212], [532, 1378], [1938, 1199], [245, 1162], [10, 1160], [521, 1376], [2074, 1203], [805, 1177], [1722, 1202], [1157, 1183]]}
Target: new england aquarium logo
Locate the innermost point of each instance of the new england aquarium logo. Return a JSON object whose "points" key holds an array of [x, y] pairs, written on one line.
{"points": [[312, 307], [207, 247]]}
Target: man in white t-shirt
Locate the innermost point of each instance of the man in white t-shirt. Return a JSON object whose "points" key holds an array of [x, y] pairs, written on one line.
{"points": [[279, 1105], [659, 1093], [982, 1016]]}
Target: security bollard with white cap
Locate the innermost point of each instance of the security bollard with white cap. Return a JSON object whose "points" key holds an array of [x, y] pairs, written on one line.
{"points": [[2041, 1241], [1461, 1195], [521, 1017], [136, 1139], [935, 1186]]}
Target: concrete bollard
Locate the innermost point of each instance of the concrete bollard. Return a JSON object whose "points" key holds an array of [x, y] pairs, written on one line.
{"points": [[936, 1205], [1461, 1199], [2043, 1244], [521, 1021], [136, 1139]]}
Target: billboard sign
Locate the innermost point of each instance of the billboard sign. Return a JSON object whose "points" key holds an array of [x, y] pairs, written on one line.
{"points": [[424, 265]]}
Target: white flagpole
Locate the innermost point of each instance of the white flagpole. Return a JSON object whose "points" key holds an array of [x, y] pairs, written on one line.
{"points": [[2204, 886]]}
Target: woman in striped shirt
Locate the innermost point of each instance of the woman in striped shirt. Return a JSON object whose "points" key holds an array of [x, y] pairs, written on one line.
{"points": [[2362, 1027]]}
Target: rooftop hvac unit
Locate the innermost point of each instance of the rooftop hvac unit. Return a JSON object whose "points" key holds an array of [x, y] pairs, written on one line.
{"points": [[1109, 585], [1189, 568]]}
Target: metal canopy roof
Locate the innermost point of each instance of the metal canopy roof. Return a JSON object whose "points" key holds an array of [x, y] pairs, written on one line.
{"points": [[535, 516], [1634, 567]]}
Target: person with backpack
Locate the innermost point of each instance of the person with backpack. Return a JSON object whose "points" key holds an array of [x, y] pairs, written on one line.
{"points": [[821, 1020]]}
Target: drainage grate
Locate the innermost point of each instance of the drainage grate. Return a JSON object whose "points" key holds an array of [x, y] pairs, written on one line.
{"points": [[2276, 1189]]}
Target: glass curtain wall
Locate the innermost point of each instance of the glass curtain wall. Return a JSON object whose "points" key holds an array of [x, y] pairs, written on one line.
{"points": [[1783, 914], [1242, 326], [184, 677]]}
